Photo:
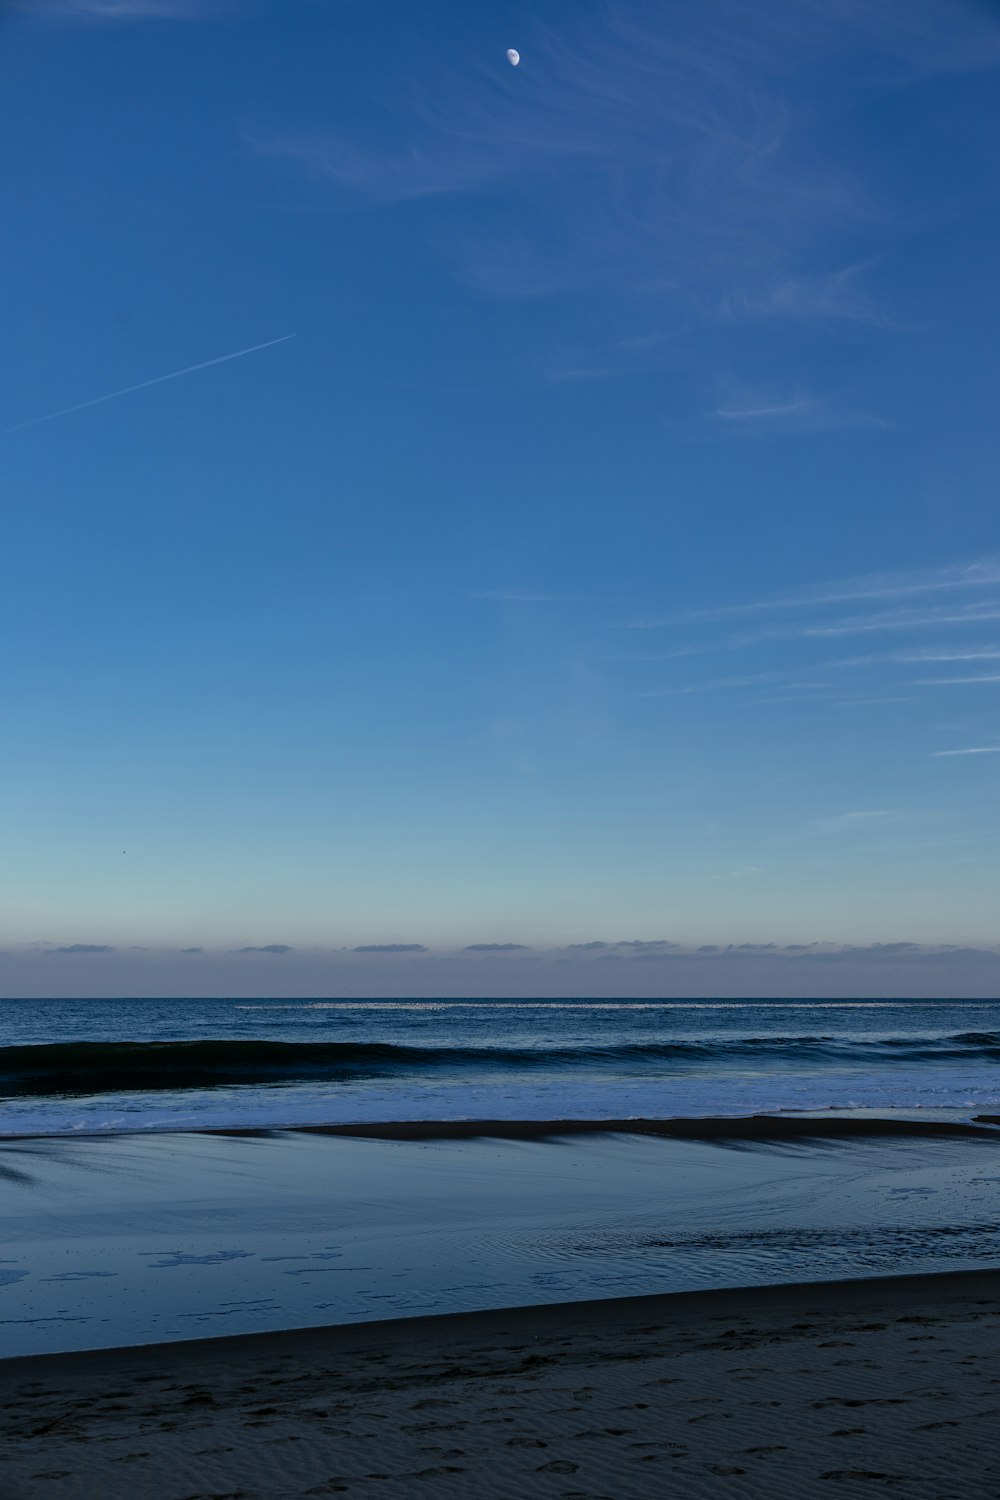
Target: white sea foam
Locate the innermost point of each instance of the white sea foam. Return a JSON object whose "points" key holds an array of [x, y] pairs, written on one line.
{"points": [[607, 1006], [948, 1092]]}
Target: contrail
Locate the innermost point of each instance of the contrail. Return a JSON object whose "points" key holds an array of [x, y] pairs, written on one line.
{"points": [[143, 384]]}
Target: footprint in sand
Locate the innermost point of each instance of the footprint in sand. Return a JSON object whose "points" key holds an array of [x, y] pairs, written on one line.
{"points": [[857, 1401], [863, 1474]]}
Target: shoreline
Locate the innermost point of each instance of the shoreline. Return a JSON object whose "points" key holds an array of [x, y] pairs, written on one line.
{"points": [[162, 1236], [878, 1385], [688, 1308], [790, 1126]]}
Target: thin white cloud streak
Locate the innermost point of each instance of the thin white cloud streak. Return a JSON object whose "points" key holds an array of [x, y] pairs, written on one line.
{"points": [[785, 675], [755, 414], [879, 675], [983, 573], [888, 620], [121, 10], [957, 681], [972, 750], [143, 385], [943, 653]]}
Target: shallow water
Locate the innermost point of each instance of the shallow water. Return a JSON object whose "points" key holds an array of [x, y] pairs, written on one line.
{"points": [[129, 1240]]}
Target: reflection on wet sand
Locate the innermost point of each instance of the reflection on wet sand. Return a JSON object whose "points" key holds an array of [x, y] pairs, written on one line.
{"points": [[122, 1240]]}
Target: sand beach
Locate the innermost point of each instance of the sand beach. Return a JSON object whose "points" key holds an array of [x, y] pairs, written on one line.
{"points": [[265, 1278], [886, 1386]]}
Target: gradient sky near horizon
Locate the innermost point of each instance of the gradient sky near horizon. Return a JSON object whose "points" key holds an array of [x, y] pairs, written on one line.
{"points": [[595, 537]]}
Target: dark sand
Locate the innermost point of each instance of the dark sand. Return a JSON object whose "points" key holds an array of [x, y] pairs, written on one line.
{"points": [[854, 1388]]}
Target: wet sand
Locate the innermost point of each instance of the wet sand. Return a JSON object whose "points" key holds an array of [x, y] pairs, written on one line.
{"points": [[146, 1238], [862, 1388]]}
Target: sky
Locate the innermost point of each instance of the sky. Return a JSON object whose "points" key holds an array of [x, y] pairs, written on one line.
{"points": [[475, 529]]}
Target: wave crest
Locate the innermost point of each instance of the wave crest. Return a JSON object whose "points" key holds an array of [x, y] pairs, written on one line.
{"points": [[88, 1068]]}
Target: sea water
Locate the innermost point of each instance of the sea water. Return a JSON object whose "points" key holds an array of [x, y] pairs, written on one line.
{"points": [[119, 1223], [71, 1066], [129, 1239]]}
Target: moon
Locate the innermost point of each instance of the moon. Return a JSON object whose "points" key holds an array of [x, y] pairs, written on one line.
{"points": [[513, 56]]}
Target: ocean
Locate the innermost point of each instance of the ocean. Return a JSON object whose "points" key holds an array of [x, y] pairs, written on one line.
{"points": [[108, 1066], [124, 1220]]}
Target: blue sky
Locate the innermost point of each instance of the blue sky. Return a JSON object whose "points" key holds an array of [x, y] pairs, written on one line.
{"points": [[612, 553]]}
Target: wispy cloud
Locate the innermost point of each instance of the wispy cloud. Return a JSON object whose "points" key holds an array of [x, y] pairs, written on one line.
{"points": [[930, 617], [780, 952], [753, 412], [390, 948], [780, 636], [675, 160], [972, 750], [981, 573], [872, 700], [496, 948], [83, 948], [645, 945], [143, 385], [985, 677], [944, 653], [763, 413], [624, 945], [125, 10]]}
